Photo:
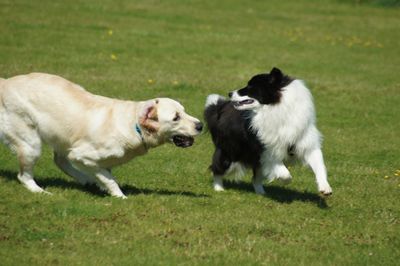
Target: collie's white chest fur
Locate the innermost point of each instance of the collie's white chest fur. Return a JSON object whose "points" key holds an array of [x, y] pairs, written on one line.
{"points": [[282, 125]]}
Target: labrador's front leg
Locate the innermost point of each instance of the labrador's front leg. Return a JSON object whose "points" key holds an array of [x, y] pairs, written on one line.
{"points": [[108, 181]]}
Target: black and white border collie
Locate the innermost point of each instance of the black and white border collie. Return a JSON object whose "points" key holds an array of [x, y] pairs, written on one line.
{"points": [[268, 122]]}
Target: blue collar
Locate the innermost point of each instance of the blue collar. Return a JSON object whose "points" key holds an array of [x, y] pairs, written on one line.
{"points": [[139, 131]]}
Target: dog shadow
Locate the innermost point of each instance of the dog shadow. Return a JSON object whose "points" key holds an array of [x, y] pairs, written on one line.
{"points": [[132, 190], [93, 189], [280, 194], [276, 193]]}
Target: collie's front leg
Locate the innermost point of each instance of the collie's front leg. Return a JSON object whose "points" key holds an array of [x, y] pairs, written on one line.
{"points": [[273, 168], [281, 173], [316, 161]]}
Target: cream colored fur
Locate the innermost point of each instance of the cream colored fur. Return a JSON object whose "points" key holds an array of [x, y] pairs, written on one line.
{"points": [[89, 134]]}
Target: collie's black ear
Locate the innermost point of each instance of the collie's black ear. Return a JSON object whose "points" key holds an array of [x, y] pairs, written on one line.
{"points": [[275, 71], [276, 75]]}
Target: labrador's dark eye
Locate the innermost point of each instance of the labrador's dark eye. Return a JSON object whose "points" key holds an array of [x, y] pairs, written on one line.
{"points": [[177, 117]]}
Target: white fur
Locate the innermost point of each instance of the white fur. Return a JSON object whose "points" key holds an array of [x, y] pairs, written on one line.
{"points": [[89, 133], [218, 183], [212, 99], [235, 172], [291, 122]]}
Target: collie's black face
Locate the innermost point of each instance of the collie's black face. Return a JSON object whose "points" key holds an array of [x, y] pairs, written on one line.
{"points": [[261, 89]]}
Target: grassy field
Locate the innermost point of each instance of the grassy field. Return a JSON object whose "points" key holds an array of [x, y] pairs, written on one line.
{"points": [[346, 51]]}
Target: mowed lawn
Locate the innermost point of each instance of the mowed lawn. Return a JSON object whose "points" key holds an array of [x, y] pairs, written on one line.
{"points": [[348, 54]]}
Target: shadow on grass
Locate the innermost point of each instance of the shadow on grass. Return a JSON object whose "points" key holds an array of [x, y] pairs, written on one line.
{"points": [[132, 190], [127, 189], [280, 194]]}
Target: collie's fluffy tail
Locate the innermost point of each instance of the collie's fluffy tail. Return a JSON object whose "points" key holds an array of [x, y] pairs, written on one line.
{"points": [[211, 109], [213, 99]]}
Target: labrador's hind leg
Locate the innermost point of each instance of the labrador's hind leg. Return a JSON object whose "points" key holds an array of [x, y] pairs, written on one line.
{"points": [[28, 153]]}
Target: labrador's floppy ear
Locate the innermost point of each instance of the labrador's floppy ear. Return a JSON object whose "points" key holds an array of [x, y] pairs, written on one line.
{"points": [[148, 118]]}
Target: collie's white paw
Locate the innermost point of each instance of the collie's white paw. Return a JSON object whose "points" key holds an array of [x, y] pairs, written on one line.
{"points": [[218, 187], [325, 189], [217, 184], [120, 196]]}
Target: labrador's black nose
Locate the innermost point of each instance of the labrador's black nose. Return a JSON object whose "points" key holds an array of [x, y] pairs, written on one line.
{"points": [[230, 94], [199, 126]]}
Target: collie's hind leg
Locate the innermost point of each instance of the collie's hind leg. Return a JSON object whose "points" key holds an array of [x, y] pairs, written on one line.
{"points": [[218, 184], [315, 160], [258, 178], [220, 164]]}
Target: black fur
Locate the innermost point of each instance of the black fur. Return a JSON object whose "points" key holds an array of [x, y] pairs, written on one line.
{"points": [[233, 140], [266, 88], [230, 128]]}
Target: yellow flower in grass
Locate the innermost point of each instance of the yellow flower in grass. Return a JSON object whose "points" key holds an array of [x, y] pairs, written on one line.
{"points": [[150, 81], [113, 57], [367, 44], [110, 32], [386, 177]]}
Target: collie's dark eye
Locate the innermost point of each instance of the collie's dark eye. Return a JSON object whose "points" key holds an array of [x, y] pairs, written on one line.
{"points": [[177, 117]]}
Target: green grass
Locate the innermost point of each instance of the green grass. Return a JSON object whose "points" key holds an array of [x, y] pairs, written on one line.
{"points": [[348, 55]]}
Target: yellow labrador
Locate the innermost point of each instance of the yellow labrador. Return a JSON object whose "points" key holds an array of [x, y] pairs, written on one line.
{"points": [[89, 134]]}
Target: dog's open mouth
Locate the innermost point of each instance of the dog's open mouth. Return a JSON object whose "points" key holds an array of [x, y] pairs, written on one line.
{"points": [[183, 141], [244, 102]]}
